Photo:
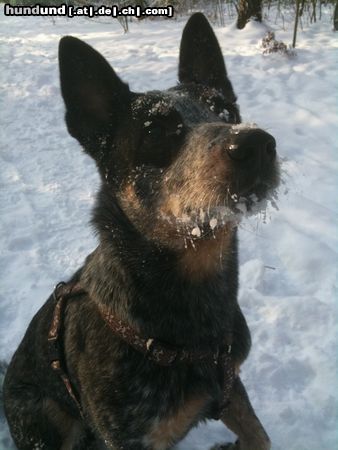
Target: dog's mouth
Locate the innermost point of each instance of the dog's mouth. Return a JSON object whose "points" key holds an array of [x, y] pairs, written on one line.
{"points": [[254, 198], [204, 222], [255, 202]]}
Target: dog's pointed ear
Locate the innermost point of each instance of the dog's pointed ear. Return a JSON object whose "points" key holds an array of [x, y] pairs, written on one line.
{"points": [[201, 60], [94, 95]]}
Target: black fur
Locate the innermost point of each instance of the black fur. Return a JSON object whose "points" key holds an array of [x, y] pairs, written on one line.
{"points": [[173, 164]]}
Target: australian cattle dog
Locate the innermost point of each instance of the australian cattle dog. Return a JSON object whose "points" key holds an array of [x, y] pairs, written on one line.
{"points": [[146, 339]]}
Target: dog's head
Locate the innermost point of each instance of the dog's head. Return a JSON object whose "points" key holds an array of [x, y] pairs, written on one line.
{"points": [[178, 163]]}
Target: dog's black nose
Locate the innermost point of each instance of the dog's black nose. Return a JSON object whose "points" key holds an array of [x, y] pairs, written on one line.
{"points": [[252, 146]]}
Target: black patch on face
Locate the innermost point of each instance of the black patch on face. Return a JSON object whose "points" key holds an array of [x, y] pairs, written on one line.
{"points": [[161, 130], [162, 121]]}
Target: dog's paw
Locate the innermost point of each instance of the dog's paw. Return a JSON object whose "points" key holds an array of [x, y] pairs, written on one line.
{"points": [[228, 446]]}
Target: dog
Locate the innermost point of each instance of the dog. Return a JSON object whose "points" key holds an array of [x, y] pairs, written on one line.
{"points": [[147, 338]]}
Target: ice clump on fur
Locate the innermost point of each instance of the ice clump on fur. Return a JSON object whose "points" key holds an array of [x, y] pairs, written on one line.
{"points": [[213, 223], [243, 126], [196, 231], [197, 222]]}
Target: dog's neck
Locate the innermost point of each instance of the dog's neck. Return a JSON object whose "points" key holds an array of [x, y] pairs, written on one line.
{"points": [[179, 305]]}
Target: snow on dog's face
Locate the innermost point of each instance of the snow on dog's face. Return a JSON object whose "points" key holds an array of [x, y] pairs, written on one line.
{"points": [[178, 163]]}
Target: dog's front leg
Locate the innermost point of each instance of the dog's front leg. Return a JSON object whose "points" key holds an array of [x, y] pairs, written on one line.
{"points": [[241, 419]]}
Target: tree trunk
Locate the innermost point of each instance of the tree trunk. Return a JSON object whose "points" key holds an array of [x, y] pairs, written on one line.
{"points": [[296, 24], [248, 9], [335, 17]]}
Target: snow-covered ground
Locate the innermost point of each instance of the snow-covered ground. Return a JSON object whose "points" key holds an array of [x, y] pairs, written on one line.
{"points": [[288, 264]]}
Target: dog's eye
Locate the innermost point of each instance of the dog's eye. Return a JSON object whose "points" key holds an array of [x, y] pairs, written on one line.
{"points": [[155, 131], [160, 140]]}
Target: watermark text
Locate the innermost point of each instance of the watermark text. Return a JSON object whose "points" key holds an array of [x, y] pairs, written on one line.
{"points": [[88, 11]]}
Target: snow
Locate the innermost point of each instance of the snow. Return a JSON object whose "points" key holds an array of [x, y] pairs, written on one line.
{"points": [[288, 256]]}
